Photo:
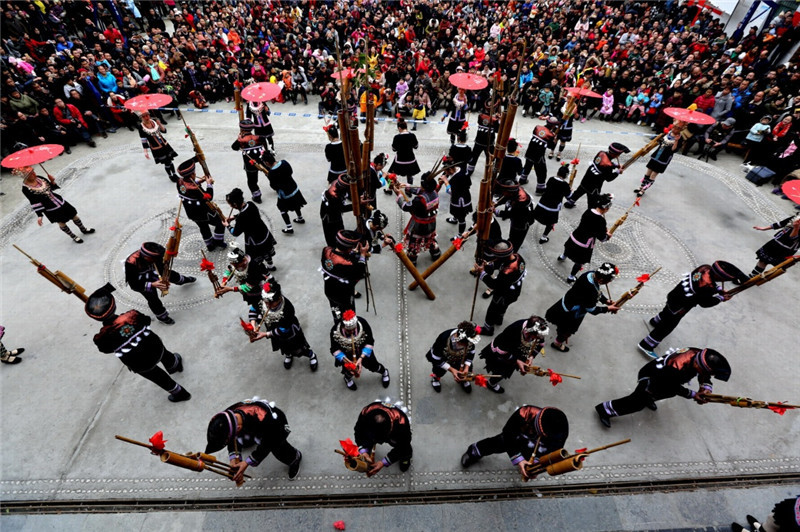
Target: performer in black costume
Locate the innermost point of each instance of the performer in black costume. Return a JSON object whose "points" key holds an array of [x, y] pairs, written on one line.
{"points": [[290, 198], [547, 210], [281, 326], [659, 160], [460, 153], [518, 210], [334, 204], [381, 422], [514, 349], [563, 136], [484, 140], [258, 113], [506, 287], [782, 246], [130, 338], [568, 312], [334, 153], [253, 148], [529, 433], [696, 288], [512, 165], [460, 198], [143, 270], [542, 138], [46, 203], [665, 377], [343, 265], [258, 240], [244, 275], [352, 347], [592, 228], [604, 168], [420, 232], [150, 132], [453, 351], [252, 422], [404, 144], [195, 204]]}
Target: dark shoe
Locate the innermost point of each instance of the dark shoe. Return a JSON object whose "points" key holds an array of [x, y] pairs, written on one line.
{"points": [[561, 258], [713, 157], [523, 180], [436, 384], [166, 320], [287, 361], [300, 220], [544, 240], [467, 459], [571, 279], [87, 231], [487, 330], [67, 150], [181, 395], [77, 239], [104, 135], [496, 388], [92, 144], [287, 231], [11, 357], [179, 366], [736, 527], [653, 322], [257, 199], [540, 189], [569, 204], [313, 362], [435, 253], [644, 348], [385, 379], [294, 467], [187, 279], [560, 347], [651, 405], [451, 220], [466, 386], [487, 293], [351, 384], [404, 465], [754, 523], [357, 294], [605, 419], [271, 267]]}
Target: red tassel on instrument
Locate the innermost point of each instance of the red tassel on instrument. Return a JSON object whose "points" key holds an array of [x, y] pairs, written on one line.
{"points": [[157, 440], [338, 525], [465, 126], [206, 265], [643, 278], [579, 451], [575, 161], [555, 378], [248, 327], [349, 447], [458, 242], [398, 248], [206, 196], [780, 410], [481, 381]]}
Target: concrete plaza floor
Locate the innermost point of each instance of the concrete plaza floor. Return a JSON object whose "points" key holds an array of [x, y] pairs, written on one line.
{"points": [[63, 405]]}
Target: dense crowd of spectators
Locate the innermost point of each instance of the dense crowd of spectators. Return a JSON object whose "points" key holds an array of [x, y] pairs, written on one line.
{"points": [[67, 66]]}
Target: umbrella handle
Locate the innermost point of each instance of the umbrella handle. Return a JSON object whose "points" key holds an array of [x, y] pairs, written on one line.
{"points": [[51, 178]]}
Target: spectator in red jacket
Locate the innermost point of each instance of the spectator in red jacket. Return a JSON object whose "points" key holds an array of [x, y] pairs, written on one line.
{"points": [[70, 117], [705, 102]]}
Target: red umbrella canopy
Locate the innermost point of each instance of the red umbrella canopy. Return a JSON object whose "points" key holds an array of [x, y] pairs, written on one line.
{"points": [[33, 155], [790, 188], [467, 81], [689, 115], [580, 92], [144, 102], [261, 92], [348, 72]]}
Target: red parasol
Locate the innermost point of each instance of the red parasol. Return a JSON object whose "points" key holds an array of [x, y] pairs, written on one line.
{"points": [[144, 102], [261, 92], [580, 92], [33, 155], [349, 73], [467, 81], [689, 115], [790, 188]]}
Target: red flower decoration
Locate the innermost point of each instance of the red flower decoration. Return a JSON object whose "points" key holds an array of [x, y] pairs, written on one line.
{"points": [[780, 410], [206, 265], [575, 161], [238, 84], [465, 126], [348, 315], [643, 278], [349, 447], [397, 115], [667, 129], [481, 381], [157, 440], [458, 242], [326, 128], [349, 366], [338, 525], [638, 200], [172, 228], [206, 196], [398, 248], [555, 378], [248, 327]]}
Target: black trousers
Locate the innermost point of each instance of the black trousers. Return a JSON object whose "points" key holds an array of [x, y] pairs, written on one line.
{"points": [[154, 300], [160, 377], [517, 236], [205, 230], [252, 181], [636, 401], [371, 363], [497, 308], [666, 321], [283, 451], [539, 166], [330, 228], [497, 445]]}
